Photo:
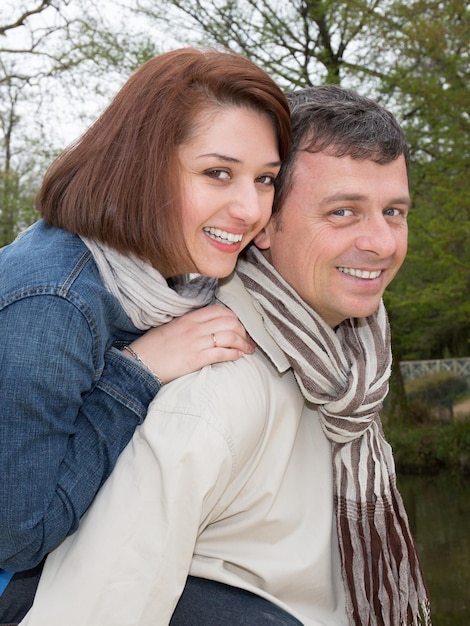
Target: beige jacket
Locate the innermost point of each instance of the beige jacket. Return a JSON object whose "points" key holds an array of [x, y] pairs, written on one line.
{"points": [[229, 478]]}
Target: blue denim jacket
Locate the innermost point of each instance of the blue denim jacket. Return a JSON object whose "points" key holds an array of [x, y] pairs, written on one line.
{"points": [[70, 399]]}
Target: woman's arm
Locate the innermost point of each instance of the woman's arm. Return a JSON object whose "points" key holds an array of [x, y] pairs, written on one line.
{"points": [[67, 412]]}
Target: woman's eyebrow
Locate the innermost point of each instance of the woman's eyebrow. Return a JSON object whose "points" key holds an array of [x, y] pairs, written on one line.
{"points": [[229, 159]]}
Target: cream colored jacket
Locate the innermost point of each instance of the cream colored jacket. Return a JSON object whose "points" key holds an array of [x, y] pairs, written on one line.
{"points": [[229, 478]]}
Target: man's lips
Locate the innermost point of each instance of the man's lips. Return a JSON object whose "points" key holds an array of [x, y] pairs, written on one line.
{"points": [[367, 274]]}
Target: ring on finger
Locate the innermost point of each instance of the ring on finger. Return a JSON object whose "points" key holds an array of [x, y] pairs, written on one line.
{"points": [[214, 340]]}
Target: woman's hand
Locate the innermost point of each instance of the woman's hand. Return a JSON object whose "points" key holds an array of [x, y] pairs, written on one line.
{"points": [[212, 334]]}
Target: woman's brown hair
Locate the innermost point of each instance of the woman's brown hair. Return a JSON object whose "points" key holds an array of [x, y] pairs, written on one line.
{"points": [[120, 182]]}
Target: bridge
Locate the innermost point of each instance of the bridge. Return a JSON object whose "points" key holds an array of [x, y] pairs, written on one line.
{"points": [[416, 369]]}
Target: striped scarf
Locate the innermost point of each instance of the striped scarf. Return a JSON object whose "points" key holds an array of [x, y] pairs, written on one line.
{"points": [[345, 373]]}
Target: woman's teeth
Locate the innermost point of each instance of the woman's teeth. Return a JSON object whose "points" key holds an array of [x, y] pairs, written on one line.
{"points": [[222, 235]]}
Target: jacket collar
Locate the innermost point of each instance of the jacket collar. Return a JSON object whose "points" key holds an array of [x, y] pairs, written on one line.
{"points": [[233, 294]]}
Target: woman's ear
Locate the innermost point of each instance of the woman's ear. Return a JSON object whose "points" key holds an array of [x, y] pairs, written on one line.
{"points": [[263, 239]]}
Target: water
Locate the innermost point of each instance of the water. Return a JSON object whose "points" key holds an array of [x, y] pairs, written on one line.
{"points": [[438, 508]]}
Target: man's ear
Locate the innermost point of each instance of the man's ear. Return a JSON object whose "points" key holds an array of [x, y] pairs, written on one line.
{"points": [[263, 238]]}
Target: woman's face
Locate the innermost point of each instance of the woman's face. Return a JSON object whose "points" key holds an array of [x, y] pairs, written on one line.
{"points": [[228, 169]]}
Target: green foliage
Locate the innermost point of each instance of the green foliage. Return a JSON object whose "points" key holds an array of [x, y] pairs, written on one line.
{"points": [[431, 398], [429, 298], [426, 449], [16, 207]]}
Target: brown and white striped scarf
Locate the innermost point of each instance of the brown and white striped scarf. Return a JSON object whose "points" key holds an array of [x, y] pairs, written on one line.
{"points": [[345, 373]]}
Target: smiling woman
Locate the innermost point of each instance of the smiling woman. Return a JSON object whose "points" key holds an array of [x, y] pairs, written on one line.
{"points": [[174, 178], [228, 168]]}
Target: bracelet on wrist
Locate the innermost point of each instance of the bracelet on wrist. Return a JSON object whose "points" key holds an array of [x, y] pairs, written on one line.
{"points": [[137, 358]]}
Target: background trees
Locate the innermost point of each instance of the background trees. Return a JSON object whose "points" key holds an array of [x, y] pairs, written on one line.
{"points": [[430, 302], [412, 56]]}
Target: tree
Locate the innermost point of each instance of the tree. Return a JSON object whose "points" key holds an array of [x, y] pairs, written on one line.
{"points": [[430, 298], [15, 194], [16, 199], [54, 54], [298, 42]]}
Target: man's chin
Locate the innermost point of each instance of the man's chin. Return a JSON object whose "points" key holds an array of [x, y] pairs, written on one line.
{"points": [[364, 308]]}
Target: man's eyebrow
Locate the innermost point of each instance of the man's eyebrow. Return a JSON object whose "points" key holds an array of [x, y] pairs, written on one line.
{"points": [[406, 200], [357, 197], [228, 159]]}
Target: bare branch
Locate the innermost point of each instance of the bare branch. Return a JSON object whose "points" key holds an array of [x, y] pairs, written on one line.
{"points": [[24, 17]]}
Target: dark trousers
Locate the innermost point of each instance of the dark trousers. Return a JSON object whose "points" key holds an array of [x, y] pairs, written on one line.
{"points": [[203, 603], [209, 603], [18, 596]]}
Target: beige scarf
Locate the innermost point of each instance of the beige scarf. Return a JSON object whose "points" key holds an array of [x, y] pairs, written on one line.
{"points": [[143, 292], [345, 373]]}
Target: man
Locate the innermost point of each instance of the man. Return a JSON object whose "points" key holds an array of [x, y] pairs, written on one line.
{"points": [[270, 475]]}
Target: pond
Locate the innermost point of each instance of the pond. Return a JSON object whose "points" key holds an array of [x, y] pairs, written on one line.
{"points": [[439, 512]]}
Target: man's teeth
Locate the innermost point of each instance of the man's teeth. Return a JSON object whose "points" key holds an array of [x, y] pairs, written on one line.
{"points": [[223, 235], [360, 273]]}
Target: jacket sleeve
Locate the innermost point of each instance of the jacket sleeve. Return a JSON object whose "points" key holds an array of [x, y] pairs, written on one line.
{"points": [[66, 413], [130, 558]]}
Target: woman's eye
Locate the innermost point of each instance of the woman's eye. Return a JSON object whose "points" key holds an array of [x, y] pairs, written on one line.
{"points": [[266, 179], [218, 174]]}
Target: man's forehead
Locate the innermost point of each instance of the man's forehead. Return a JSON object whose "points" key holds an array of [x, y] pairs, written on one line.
{"points": [[311, 162], [323, 174]]}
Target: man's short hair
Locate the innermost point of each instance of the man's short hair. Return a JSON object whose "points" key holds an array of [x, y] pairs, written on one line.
{"points": [[340, 122]]}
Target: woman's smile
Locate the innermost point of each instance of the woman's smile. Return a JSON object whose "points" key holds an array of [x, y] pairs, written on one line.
{"points": [[229, 168]]}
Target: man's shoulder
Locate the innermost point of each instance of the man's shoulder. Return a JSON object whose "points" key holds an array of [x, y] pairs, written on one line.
{"points": [[233, 384], [235, 398]]}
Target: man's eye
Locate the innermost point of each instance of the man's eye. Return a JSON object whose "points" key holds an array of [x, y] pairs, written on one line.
{"points": [[392, 212], [218, 174], [343, 212], [266, 179]]}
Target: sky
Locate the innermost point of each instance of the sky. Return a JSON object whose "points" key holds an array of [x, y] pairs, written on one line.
{"points": [[56, 110]]}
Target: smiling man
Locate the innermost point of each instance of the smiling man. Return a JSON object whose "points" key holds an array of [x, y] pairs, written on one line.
{"points": [[348, 217], [262, 491]]}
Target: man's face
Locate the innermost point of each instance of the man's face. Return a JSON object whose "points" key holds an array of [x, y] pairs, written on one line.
{"points": [[342, 233]]}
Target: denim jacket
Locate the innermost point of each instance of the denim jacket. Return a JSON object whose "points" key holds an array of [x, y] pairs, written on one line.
{"points": [[70, 400]]}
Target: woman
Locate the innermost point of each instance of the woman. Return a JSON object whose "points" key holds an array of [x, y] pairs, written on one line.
{"points": [[162, 192]]}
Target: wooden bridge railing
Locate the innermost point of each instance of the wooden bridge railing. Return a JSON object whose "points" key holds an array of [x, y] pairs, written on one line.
{"points": [[416, 369]]}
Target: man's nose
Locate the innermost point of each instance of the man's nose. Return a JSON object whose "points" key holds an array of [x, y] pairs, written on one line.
{"points": [[377, 236]]}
